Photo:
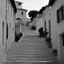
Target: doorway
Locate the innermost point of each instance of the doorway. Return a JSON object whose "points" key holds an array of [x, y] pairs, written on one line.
{"points": [[62, 47], [3, 32], [49, 29], [63, 40]]}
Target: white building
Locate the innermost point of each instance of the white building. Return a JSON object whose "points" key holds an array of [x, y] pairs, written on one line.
{"points": [[47, 20], [21, 13], [11, 11], [54, 24], [7, 27], [18, 4], [57, 27], [18, 26], [39, 22]]}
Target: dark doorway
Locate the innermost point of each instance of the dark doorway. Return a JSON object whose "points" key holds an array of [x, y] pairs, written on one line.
{"points": [[63, 39], [49, 28], [7, 31], [3, 32]]}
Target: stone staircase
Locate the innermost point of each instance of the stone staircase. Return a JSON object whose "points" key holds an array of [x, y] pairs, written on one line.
{"points": [[30, 50]]}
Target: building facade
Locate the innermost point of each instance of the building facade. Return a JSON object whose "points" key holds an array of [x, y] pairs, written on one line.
{"points": [[10, 22], [21, 13], [7, 26], [18, 26], [53, 21], [57, 30], [39, 22], [46, 15]]}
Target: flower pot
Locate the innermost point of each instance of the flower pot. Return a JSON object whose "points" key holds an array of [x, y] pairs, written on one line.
{"points": [[33, 28], [55, 52], [49, 44]]}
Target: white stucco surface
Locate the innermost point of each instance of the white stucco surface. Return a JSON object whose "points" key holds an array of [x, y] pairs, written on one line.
{"points": [[56, 28]]}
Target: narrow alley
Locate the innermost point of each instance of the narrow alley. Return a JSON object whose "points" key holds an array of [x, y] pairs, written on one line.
{"points": [[30, 49], [31, 31]]}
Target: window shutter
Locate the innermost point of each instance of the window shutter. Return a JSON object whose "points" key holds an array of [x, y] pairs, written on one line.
{"points": [[58, 16], [7, 32]]}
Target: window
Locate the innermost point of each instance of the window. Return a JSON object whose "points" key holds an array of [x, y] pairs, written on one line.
{"points": [[21, 13], [7, 31], [19, 3], [60, 14]]}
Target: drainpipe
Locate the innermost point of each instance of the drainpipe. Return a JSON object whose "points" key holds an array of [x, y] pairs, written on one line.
{"points": [[50, 29], [6, 28], [45, 28]]}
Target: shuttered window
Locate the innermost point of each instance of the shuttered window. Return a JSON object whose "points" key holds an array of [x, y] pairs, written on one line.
{"points": [[60, 14]]}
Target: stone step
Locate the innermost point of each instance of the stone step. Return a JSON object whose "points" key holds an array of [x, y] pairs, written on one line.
{"points": [[27, 45], [32, 59], [29, 53], [28, 56], [30, 50], [33, 62], [31, 46], [22, 50], [48, 49]]}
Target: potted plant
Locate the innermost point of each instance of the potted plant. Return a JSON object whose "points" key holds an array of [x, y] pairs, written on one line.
{"points": [[18, 36], [48, 39], [40, 32], [48, 42], [46, 33], [55, 52], [33, 28]]}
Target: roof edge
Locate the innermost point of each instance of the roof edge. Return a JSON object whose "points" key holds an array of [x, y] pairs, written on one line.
{"points": [[14, 6], [21, 9]]}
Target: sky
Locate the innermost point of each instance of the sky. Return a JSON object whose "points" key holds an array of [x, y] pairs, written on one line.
{"points": [[33, 4]]}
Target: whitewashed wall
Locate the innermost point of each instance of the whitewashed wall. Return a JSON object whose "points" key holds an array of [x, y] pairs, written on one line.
{"points": [[40, 23], [2, 34], [22, 17], [11, 24], [4, 43], [17, 4], [46, 17], [57, 29], [17, 28]]}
